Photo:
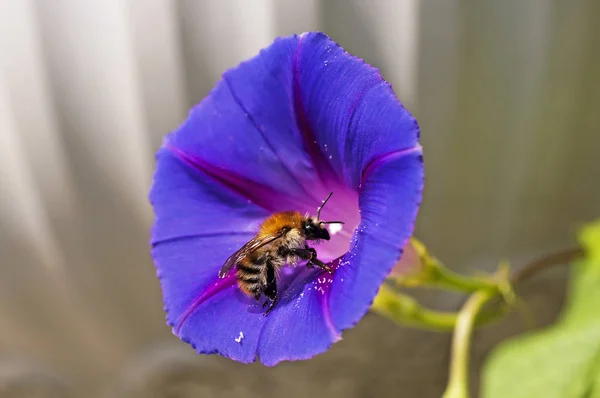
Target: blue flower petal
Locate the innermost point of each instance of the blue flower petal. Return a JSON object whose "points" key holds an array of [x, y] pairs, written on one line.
{"points": [[227, 323], [278, 133], [247, 125], [301, 325], [206, 311], [187, 203], [351, 112], [390, 195], [198, 224]]}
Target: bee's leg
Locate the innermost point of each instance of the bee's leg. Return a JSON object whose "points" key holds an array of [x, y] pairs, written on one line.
{"points": [[310, 254], [271, 306], [306, 254], [318, 263], [313, 261], [257, 294], [271, 289], [262, 262]]}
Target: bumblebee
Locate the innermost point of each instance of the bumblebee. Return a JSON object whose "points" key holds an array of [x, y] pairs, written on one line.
{"points": [[281, 240]]}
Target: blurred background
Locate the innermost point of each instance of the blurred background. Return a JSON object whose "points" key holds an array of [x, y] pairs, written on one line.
{"points": [[507, 94]]}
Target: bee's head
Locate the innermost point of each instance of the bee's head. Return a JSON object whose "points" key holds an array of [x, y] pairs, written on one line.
{"points": [[314, 229]]}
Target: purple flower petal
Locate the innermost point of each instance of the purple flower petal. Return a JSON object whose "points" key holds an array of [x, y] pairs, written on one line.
{"points": [[352, 112], [197, 225], [390, 191], [247, 126], [301, 325], [189, 204], [279, 132]]}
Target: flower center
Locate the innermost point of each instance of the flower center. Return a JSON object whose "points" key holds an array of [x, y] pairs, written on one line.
{"points": [[342, 206]]}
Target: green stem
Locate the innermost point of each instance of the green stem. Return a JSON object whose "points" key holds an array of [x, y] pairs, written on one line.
{"points": [[443, 278], [437, 276], [406, 311], [458, 382], [432, 273]]}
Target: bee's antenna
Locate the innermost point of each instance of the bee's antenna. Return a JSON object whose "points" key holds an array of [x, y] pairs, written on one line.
{"points": [[321, 207], [332, 222]]}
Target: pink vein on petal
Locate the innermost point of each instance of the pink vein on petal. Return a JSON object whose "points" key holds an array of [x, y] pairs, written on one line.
{"points": [[217, 287], [337, 336], [324, 299], [260, 130], [322, 166], [258, 194], [386, 157]]}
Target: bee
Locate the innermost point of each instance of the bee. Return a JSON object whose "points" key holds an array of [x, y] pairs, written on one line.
{"points": [[281, 240]]}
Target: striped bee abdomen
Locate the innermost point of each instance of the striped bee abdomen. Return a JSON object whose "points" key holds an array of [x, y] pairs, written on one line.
{"points": [[251, 276]]}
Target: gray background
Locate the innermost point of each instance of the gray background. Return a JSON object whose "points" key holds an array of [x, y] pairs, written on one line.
{"points": [[507, 94]]}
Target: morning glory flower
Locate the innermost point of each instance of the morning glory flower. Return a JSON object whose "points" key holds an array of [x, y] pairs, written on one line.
{"points": [[279, 132]]}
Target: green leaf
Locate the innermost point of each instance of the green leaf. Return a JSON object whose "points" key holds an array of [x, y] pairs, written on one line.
{"points": [[562, 361]]}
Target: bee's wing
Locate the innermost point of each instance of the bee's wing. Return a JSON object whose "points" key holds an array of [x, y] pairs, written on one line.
{"points": [[247, 249]]}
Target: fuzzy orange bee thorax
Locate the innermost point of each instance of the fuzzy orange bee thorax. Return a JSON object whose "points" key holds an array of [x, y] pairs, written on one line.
{"points": [[278, 221]]}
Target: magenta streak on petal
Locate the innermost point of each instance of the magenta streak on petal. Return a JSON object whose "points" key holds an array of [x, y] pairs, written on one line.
{"points": [[258, 194], [259, 129], [322, 166], [220, 285], [373, 164], [324, 281], [321, 281], [353, 107], [176, 238]]}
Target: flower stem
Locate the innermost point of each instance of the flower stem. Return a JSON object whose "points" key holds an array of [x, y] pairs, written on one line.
{"points": [[445, 279], [458, 386], [430, 272], [406, 311]]}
